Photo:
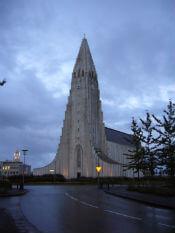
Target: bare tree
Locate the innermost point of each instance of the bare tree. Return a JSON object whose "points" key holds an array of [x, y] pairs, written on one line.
{"points": [[3, 82]]}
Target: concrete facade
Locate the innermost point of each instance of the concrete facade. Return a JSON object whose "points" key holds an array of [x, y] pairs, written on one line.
{"points": [[14, 168], [84, 141]]}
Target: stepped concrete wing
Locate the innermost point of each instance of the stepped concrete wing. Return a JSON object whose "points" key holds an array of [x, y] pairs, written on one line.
{"points": [[105, 158]]}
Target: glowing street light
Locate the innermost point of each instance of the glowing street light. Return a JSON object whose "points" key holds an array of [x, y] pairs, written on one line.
{"points": [[53, 171], [98, 171]]}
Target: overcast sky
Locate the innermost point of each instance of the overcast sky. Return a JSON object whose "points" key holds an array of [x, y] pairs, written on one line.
{"points": [[133, 47]]}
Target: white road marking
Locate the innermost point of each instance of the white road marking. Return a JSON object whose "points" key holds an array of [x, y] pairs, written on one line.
{"points": [[82, 202], [166, 225], [124, 215], [109, 211], [87, 204], [114, 212], [73, 198]]}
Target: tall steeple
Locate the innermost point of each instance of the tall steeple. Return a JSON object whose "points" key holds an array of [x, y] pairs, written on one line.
{"points": [[84, 62], [83, 136]]}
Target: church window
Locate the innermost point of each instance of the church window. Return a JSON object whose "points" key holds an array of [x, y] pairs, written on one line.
{"points": [[79, 156], [82, 72], [78, 161], [79, 73], [92, 85], [74, 74]]}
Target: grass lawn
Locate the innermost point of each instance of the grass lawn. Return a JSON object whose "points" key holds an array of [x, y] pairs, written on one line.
{"points": [[156, 190]]}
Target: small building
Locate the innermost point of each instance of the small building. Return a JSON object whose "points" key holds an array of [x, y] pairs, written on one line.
{"points": [[14, 167]]}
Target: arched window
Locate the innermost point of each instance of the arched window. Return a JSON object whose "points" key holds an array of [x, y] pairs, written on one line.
{"points": [[78, 156], [79, 73], [82, 73], [74, 74]]}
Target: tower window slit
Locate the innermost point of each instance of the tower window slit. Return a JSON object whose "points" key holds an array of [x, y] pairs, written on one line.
{"points": [[79, 155]]}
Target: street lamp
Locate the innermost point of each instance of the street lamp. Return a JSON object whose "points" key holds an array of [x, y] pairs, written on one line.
{"points": [[24, 153], [52, 171], [98, 170]]}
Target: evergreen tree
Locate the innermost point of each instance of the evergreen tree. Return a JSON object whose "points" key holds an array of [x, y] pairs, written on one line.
{"points": [[166, 139], [149, 147], [136, 156]]}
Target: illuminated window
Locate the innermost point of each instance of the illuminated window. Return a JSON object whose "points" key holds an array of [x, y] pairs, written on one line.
{"points": [[17, 156]]}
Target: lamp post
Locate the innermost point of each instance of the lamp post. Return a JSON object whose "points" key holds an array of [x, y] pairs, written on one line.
{"points": [[98, 168], [98, 179], [24, 153]]}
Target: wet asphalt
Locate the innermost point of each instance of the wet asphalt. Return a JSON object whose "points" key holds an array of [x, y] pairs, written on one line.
{"points": [[84, 208]]}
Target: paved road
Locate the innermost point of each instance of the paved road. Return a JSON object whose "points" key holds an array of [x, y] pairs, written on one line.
{"points": [[81, 209]]}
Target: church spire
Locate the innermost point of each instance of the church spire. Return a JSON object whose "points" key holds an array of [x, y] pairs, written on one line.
{"points": [[84, 60]]}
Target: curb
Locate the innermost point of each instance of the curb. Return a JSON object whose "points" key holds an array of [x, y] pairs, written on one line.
{"points": [[13, 194], [142, 201]]}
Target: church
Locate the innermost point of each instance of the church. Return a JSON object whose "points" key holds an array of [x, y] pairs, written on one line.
{"points": [[85, 142]]}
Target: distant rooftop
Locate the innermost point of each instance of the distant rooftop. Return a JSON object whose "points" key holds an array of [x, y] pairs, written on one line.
{"points": [[118, 137]]}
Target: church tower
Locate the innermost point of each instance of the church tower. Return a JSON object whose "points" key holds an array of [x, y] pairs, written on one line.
{"points": [[85, 143], [83, 130]]}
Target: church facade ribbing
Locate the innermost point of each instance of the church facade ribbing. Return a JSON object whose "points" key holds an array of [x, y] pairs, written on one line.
{"points": [[85, 142]]}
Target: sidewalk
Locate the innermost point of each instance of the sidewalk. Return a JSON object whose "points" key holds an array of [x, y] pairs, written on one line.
{"points": [[7, 224], [150, 199]]}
